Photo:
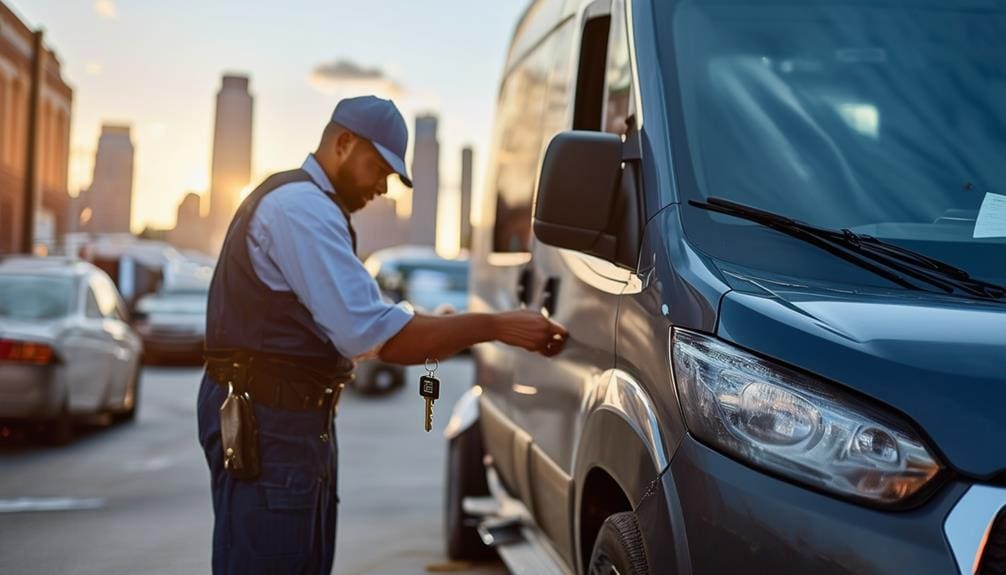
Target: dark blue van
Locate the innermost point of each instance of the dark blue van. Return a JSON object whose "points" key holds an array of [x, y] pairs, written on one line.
{"points": [[776, 232]]}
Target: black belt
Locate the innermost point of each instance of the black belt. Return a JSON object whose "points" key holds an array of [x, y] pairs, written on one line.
{"points": [[279, 382]]}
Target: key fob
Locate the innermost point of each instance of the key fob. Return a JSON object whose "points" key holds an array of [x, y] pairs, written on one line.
{"points": [[429, 387]]}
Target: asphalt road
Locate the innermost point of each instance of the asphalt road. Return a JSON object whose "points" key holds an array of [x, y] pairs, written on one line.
{"points": [[135, 498]]}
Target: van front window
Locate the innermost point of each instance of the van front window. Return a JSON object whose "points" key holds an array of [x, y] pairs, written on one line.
{"points": [[886, 118]]}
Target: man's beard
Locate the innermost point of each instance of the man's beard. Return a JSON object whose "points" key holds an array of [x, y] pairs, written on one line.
{"points": [[352, 195], [353, 203]]}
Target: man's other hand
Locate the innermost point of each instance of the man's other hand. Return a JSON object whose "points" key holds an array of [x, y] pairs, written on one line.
{"points": [[532, 331]]}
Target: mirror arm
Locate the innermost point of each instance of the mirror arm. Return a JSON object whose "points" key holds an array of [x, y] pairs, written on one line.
{"points": [[632, 147]]}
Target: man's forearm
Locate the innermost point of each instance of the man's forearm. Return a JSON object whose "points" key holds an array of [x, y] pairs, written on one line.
{"points": [[438, 337]]}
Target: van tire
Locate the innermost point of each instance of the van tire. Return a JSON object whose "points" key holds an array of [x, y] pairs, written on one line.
{"points": [[619, 547], [466, 477]]}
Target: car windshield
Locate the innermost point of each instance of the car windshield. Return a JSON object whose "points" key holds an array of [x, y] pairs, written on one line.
{"points": [[172, 303], [29, 297], [428, 288], [886, 118]]}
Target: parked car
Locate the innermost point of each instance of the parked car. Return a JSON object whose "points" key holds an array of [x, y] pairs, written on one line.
{"points": [[172, 323], [775, 233], [66, 348], [417, 275]]}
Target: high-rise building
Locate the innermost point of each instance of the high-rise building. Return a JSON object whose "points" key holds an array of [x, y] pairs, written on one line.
{"points": [[52, 136], [378, 226], [232, 154], [190, 227], [467, 156], [425, 182], [105, 206]]}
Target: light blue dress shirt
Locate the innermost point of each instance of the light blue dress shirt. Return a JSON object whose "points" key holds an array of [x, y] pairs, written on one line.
{"points": [[299, 241]]}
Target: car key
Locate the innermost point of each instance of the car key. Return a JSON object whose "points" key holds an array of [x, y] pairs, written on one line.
{"points": [[429, 389]]}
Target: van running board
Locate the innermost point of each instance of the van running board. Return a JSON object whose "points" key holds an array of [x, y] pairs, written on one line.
{"points": [[506, 526]]}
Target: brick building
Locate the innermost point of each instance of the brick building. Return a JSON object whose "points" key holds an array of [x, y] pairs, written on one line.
{"points": [[16, 57]]}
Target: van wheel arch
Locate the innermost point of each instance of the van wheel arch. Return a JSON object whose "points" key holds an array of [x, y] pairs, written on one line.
{"points": [[600, 498], [613, 469]]}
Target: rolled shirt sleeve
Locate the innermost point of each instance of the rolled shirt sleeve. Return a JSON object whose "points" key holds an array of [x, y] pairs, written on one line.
{"points": [[299, 238]]}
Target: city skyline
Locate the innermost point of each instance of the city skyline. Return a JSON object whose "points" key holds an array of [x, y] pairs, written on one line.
{"points": [[441, 220], [164, 85]]}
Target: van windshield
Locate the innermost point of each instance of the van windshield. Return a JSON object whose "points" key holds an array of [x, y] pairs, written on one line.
{"points": [[886, 118]]}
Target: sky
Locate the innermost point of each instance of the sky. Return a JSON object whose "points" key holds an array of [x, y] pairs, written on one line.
{"points": [[157, 66]]}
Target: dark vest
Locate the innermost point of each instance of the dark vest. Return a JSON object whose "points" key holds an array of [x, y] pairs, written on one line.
{"points": [[246, 314]]}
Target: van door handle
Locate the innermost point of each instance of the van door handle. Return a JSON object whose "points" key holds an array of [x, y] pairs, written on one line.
{"points": [[524, 282], [550, 295]]}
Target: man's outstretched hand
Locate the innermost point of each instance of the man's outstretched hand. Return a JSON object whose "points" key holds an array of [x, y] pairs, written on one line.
{"points": [[441, 336], [532, 331]]}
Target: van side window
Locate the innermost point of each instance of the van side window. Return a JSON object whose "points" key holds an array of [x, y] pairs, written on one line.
{"points": [[590, 75], [604, 75], [522, 103], [618, 76], [560, 85]]}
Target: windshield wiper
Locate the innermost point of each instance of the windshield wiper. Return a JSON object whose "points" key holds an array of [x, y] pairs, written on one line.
{"points": [[885, 259]]}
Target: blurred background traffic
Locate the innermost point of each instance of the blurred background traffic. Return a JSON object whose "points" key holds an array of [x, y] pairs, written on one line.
{"points": [[79, 200], [129, 134]]}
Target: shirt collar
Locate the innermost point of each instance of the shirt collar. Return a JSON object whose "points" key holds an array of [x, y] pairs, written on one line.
{"points": [[314, 169], [318, 176]]}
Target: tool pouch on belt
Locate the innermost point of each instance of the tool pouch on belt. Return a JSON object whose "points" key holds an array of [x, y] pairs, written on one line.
{"points": [[240, 435]]}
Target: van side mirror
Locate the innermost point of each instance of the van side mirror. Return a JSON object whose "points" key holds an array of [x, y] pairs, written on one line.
{"points": [[585, 202]]}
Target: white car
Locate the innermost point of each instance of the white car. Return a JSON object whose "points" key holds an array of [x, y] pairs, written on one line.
{"points": [[66, 347], [172, 324]]}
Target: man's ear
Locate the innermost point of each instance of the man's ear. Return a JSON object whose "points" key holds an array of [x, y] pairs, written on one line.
{"points": [[344, 144]]}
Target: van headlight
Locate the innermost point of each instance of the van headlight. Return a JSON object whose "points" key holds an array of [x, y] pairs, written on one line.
{"points": [[786, 423]]}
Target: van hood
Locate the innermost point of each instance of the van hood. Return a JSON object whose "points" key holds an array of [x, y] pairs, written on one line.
{"points": [[941, 361]]}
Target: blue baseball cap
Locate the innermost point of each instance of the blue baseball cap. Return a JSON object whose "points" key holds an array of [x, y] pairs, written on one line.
{"points": [[379, 121]]}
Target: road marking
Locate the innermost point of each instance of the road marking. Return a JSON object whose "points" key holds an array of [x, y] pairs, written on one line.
{"points": [[33, 504], [152, 464]]}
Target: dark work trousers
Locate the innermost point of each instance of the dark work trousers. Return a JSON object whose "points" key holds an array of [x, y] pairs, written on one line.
{"points": [[284, 521]]}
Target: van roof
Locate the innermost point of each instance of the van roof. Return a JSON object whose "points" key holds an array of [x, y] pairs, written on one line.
{"points": [[537, 21]]}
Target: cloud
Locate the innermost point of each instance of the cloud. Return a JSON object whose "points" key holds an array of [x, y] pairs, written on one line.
{"points": [[347, 70], [106, 9], [346, 77]]}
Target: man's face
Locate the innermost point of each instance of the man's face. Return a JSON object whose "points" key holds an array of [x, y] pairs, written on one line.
{"points": [[362, 176]]}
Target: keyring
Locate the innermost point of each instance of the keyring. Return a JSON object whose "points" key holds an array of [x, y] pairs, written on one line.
{"points": [[436, 364]]}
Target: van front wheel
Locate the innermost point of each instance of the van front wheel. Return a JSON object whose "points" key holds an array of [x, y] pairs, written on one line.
{"points": [[618, 549]]}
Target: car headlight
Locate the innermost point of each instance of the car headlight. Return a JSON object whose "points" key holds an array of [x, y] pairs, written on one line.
{"points": [[786, 423]]}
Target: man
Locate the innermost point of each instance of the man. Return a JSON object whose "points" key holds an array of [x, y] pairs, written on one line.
{"points": [[289, 305]]}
